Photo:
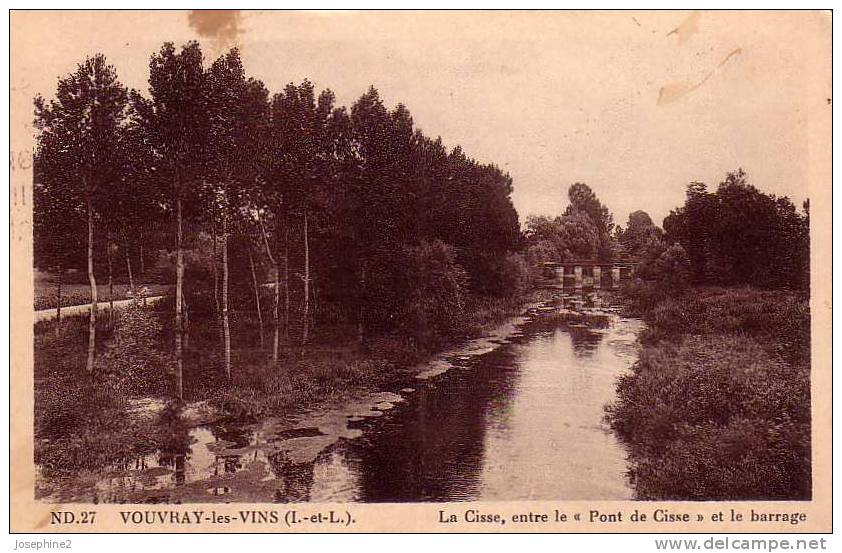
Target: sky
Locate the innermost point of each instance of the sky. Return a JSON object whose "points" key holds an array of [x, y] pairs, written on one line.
{"points": [[635, 104]]}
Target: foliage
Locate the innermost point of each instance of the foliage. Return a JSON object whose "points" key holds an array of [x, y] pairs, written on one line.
{"points": [[436, 287], [638, 233], [564, 238], [174, 122], [583, 200], [77, 153], [516, 276], [46, 296], [739, 235], [211, 148], [51, 300], [133, 360], [715, 418], [77, 160], [80, 421], [669, 266], [718, 405]]}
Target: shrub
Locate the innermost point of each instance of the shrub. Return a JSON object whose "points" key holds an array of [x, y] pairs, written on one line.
{"points": [[669, 266], [715, 417], [68, 299], [642, 296], [779, 319], [516, 275], [94, 446], [59, 399], [437, 287], [132, 359]]}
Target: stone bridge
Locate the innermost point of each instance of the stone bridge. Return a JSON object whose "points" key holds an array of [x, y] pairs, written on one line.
{"points": [[587, 273]]}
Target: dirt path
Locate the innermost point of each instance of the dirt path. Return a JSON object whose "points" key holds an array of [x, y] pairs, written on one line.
{"points": [[49, 314]]}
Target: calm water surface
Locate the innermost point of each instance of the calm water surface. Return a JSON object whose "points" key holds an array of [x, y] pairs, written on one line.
{"points": [[514, 416]]}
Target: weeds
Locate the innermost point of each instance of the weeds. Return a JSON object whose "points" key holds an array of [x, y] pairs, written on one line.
{"points": [[718, 405]]}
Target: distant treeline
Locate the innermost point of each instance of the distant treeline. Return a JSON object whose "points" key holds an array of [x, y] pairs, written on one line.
{"points": [[734, 236]]}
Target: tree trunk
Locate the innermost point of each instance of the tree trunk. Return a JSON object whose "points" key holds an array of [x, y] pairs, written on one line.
{"points": [[256, 297], [275, 311], [110, 281], [225, 328], [286, 283], [361, 301], [216, 287], [58, 305], [179, 282], [129, 270], [140, 255], [92, 279], [314, 301], [306, 317], [277, 314], [186, 322]]}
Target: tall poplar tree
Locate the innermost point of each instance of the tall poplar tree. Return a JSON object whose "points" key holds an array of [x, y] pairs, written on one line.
{"points": [[77, 150], [175, 122], [237, 108]]}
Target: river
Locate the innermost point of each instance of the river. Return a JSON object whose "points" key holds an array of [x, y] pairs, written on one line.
{"points": [[514, 415]]}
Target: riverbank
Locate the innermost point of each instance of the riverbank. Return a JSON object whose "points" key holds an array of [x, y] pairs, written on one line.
{"points": [[718, 405], [87, 422], [486, 415]]}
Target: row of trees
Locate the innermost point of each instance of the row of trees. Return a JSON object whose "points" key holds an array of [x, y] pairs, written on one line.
{"points": [[328, 202], [352, 215]]}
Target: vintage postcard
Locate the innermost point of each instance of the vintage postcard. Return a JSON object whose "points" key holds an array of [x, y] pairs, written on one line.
{"points": [[431, 271]]}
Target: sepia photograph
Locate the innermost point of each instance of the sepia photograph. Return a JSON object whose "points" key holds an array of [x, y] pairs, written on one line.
{"points": [[447, 259]]}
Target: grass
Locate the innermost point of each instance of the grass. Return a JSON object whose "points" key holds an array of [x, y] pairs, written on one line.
{"points": [[80, 419], [718, 405]]}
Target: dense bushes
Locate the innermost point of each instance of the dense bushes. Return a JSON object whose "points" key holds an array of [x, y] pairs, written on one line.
{"points": [[46, 295], [718, 405], [133, 360], [582, 232], [778, 319], [668, 266], [51, 300], [437, 287], [739, 235], [439, 304]]}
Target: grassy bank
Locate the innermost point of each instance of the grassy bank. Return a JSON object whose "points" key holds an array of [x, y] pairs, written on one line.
{"points": [[80, 418], [83, 421], [718, 405]]}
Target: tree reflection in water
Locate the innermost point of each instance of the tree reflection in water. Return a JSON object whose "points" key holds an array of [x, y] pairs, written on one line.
{"points": [[295, 480], [432, 450], [173, 438], [585, 341]]}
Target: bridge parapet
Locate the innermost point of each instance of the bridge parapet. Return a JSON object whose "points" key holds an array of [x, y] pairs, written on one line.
{"points": [[590, 273]]}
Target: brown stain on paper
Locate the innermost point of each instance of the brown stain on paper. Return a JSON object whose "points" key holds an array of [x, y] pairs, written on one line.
{"points": [[221, 25], [675, 91], [688, 27]]}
